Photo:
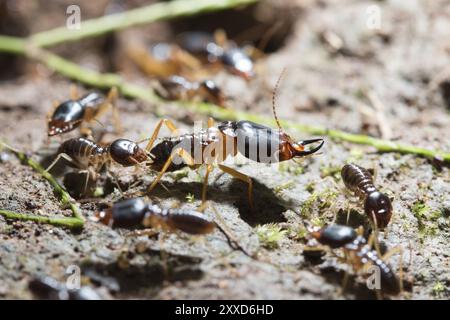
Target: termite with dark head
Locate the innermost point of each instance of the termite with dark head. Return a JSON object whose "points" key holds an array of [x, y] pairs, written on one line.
{"points": [[134, 212], [70, 114], [180, 88], [358, 253], [90, 157], [377, 205], [217, 48]]}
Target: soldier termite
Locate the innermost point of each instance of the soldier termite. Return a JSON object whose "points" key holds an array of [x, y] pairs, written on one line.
{"points": [[216, 143], [216, 48], [377, 205], [134, 212], [70, 114]]}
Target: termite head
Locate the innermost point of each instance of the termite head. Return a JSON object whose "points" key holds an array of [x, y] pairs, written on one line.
{"points": [[291, 149], [335, 235], [378, 206], [127, 153], [124, 214], [66, 117], [212, 92]]}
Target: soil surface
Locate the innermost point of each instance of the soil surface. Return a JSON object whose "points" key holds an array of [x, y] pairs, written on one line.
{"points": [[391, 82]]}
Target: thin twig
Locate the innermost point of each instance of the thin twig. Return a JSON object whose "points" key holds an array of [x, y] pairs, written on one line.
{"points": [[75, 222], [169, 10], [134, 17]]}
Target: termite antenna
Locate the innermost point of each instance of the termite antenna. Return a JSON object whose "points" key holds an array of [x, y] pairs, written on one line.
{"points": [[274, 95]]}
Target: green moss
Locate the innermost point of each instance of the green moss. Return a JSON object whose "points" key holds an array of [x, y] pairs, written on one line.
{"points": [[318, 222], [331, 171], [301, 233], [288, 185], [310, 187], [270, 235], [308, 204], [322, 199], [355, 155], [99, 192], [291, 167], [190, 198], [426, 218], [438, 289]]}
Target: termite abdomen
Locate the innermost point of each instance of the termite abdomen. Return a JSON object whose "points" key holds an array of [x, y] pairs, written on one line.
{"points": [[389, 282], [67, 116], [189, 221], [357, 179]]}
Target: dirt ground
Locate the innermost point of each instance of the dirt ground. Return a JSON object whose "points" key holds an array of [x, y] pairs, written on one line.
{"points": [[404, 66]]}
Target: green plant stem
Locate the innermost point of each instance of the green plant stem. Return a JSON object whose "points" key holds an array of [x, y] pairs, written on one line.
{"points": [[12, 45], [379, 144], [134, 17], [161, 11], [72, 223], [75, 222]]}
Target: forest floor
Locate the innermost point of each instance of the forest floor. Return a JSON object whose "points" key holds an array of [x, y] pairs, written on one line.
{"points": [[404, 66]]}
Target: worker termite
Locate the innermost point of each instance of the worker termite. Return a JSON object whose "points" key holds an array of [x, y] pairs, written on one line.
{"points": [[377, 205], [179, 88], [163, 60], [90, 157], [359, 253], [134, 212], [217, 48], [49, 288], [70, 114], [215, 144]]}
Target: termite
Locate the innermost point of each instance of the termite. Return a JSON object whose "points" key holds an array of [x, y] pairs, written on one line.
{"points": [[70, 114], [217, 48], [180, 88], [215, 144], [163, 60], [377, 205], [359, 254], [134, 212], [90, 157]]}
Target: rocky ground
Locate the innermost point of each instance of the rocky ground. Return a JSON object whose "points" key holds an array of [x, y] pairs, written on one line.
{"points": [[391, 82]]}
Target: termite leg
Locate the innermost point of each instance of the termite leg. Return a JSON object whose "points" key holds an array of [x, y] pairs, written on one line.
{"points": [[116, 182], [73, 92], [64, 156], [86, 181], [109, 104], [211, 122], [180, 152], [220, 37], [373, 239], [346, 274], [144, 232], [169, 124], [242, 177]]}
